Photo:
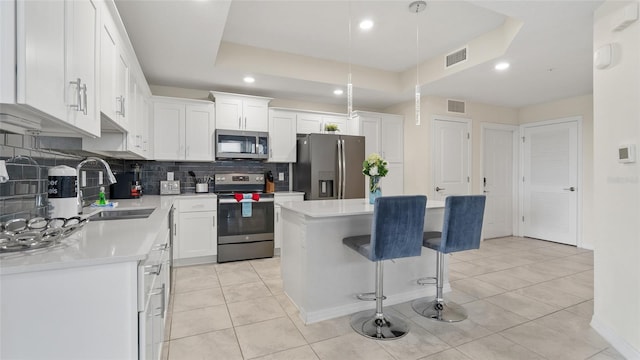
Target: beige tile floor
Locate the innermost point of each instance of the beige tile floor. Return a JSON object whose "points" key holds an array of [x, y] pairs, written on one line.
{"points": [[527, 299]]}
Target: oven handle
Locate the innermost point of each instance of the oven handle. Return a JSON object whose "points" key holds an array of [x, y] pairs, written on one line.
{"points": [[234, 201]]}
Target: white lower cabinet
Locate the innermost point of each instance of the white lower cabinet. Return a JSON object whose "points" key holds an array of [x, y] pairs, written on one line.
{"points": [[196, 230], [107, 311], [278, 199]]}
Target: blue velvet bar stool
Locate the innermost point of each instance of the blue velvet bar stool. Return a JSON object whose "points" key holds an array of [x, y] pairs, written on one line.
{"points": [[461, 231], [396, 232]]}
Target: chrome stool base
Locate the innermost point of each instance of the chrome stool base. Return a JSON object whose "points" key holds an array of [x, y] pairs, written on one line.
{"points": [[439, 310], [382, 327]]}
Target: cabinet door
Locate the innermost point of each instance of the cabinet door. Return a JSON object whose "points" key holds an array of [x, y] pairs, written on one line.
{"points": [[168, 131], [197, 234], [122, 91], [199, 129], [255, 115], [81, 44], [393, 183], [282, 136], [108, 51], [370, 129], [308, 123], [41, 56], [341, 121], [392, 139], [229, 113]]}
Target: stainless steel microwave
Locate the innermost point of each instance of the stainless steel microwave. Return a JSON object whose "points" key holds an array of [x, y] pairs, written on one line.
{"points": [[237, 144]]}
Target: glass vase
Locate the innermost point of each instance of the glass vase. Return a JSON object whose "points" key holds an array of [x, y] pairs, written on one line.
{"points": [[374, 189]]}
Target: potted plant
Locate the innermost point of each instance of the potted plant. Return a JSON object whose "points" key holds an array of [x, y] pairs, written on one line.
{"points": [[331, 128]]}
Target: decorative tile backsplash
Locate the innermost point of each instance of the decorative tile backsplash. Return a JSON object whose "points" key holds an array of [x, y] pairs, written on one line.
{"points": [[25, 194], [152, 172]]}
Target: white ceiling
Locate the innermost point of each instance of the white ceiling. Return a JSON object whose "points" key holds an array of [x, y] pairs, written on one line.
{"points": [[180, 43]]}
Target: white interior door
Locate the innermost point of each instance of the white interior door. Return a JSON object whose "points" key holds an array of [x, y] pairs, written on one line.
{"points": [[498, 178], [550, 182], [451, 157]]}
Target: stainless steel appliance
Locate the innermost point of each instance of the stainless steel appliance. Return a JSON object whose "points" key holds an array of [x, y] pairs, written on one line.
{"points": [[234, 144], [330, 167], [245, 217]]}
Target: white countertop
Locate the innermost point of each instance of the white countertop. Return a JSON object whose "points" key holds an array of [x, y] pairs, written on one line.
{"points": [[100, 242], [333, 208]]}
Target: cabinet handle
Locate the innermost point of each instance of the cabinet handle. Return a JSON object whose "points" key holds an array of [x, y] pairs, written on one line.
{"points": [[123, 107], [84, 97], [239, 122], [277, 217], [78, 105], [188, 148], [214, 221], [119, 105], [164, 246], [245, 122], [157, 270]]}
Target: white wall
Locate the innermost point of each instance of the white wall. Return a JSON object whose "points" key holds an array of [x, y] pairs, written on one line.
{"points": [[417, 146], [616, 189], [575, 106]]}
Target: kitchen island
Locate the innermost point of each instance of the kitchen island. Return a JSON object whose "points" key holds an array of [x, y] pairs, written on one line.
{"points": [[321, 276]]}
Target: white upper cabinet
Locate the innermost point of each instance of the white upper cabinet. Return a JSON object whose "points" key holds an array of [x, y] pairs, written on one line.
{"points": [[241, 112], [311, 122], [384, 134], [168, 135], [308, 123], [55, 72], [114, 76], [282, 136], [40, 56], [392, 138], [82, 37], [199, 129], [183, 129]]}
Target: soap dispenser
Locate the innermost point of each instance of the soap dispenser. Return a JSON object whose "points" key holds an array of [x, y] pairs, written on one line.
{"points": [[102, 200]]}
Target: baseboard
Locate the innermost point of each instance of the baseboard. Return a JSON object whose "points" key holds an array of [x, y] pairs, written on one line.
{"points": [[201, 260], [310, 317], [618, 343]]}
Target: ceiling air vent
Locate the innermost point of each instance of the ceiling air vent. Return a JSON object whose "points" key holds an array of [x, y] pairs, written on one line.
{"points": [[456, 106], [456, 57]]}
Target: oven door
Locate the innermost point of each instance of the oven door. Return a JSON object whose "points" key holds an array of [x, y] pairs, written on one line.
{"points": [[235, 228]]}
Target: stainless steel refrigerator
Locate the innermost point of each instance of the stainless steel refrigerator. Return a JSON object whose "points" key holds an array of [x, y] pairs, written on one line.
{"points": [[329, 167]]}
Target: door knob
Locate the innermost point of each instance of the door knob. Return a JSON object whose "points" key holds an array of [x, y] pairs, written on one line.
{"points": [[439, 188], [570, 188]]}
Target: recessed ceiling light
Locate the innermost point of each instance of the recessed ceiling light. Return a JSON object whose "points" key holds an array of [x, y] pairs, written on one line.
{"points": [[366, 24], [338, 92], [249, 79], [502, 66]]}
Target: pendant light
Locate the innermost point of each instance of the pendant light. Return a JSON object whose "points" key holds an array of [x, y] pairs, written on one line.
{"points": [[417, 7], [349, 84]]}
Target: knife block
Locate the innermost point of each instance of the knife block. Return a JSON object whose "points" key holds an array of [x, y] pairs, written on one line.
{"points": [[269, 187]]}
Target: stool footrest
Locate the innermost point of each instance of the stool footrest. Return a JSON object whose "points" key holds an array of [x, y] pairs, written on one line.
{"points": [[432, 280], [371, 296]]}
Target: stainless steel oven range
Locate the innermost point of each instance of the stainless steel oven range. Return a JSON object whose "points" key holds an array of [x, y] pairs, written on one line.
{"points": [[245, 217]]}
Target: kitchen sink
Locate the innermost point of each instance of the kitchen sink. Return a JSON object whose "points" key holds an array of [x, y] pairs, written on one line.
{"points": [[121, 214]]}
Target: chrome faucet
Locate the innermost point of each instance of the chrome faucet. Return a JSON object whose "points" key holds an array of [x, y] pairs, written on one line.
{"points": [[110, 178]]}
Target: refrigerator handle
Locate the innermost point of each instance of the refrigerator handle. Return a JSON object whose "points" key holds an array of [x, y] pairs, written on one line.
{"points": [[344, 169], [339, 184]]}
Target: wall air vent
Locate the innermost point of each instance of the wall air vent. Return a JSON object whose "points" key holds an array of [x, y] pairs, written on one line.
{"points": [[456, 106], [456, 57]]}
